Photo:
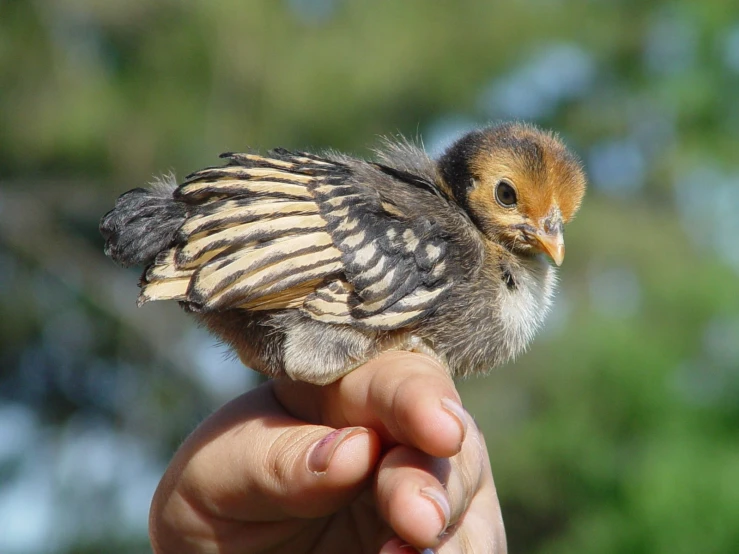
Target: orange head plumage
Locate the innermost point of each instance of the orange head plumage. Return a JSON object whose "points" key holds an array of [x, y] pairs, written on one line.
{"points": [[519, 185]]}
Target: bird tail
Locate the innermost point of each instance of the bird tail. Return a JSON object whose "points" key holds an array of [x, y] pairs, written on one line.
{"points": [[142, 223]]}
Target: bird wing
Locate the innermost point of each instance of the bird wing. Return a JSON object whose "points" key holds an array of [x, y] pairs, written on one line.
{"points": [[293, 230]]}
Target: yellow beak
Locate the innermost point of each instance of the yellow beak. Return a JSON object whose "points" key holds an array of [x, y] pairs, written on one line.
{"points": [[553, 245]]}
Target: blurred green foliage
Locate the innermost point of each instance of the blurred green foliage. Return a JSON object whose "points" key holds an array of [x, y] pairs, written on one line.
{"points": [[618, 432]]}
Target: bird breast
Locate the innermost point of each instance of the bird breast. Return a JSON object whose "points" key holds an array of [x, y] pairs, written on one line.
{"points": [[524, 302], [493, 317]]}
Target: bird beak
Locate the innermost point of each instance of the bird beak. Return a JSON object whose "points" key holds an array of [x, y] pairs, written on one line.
{"points": [[551, 244]]}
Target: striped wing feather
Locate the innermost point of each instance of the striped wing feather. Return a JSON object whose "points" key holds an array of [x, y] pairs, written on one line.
{"points": [[298, 231]]}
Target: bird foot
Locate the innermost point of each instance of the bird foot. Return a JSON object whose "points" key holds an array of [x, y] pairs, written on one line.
{"points": [[397, 343], [412, 343]]}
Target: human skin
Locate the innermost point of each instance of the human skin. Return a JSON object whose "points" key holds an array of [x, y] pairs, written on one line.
{"points": [[383, 460]]}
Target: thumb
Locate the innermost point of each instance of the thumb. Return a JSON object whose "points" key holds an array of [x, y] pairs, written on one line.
{"points": [[252, 462]]}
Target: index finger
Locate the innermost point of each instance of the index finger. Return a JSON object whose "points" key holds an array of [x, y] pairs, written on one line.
{"points": [[406, 398]]}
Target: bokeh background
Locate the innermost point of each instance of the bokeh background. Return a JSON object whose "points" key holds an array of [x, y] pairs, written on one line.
{"points": [[618, 431]]}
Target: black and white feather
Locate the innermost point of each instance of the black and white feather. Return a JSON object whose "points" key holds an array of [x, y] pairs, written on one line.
{"points": [[292, 231]]}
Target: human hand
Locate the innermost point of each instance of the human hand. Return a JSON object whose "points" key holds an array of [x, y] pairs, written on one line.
{"points": [[375, 462]]}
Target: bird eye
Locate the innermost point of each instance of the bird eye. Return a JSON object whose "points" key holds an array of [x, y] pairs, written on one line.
{"points": [[505, 194]]}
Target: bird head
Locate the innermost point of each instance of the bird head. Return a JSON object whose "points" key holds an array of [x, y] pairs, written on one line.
{"points": [[519, 185]]}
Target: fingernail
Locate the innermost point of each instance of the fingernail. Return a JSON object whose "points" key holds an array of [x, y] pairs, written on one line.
{"points": [[320, 457], [439, 500], [456, 410]]}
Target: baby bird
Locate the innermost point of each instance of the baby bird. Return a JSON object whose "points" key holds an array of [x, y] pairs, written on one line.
{"points": [[309, 265]]}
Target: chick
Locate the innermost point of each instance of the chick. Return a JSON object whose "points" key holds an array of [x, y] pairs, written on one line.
{"points": [[309, 265]]}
